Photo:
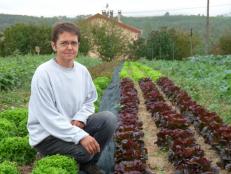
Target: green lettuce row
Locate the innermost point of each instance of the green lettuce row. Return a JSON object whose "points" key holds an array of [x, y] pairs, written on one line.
{"points": [[56, 164], [137, 71], [16, 149], [13, 123], [124, 72], [101, 84], [149, 72], [8, 167]]}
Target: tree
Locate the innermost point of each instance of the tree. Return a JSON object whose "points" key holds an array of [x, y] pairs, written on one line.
{"points": [[170, 44], [23, 38], [159, 44], [137, 48], [182, 43], [86, 40], [109, 41]]}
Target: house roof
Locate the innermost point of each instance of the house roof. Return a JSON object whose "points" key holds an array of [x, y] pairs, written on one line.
{"points": [[122, 25]]}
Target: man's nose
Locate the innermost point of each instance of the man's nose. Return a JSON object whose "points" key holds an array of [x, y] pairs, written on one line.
{"points": [[69, 46]]}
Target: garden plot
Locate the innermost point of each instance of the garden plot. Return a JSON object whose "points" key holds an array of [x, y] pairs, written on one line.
{"points": [[191, 155]]}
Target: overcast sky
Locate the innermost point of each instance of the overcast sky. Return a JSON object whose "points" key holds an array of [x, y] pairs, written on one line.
{"points": [[72, 8]]}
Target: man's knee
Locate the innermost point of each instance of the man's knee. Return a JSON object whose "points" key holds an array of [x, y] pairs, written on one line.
{"points": [[82, 158], [110, 119]]}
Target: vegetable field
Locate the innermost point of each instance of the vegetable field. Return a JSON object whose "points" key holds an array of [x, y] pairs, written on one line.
{"points": [[173, 117]]}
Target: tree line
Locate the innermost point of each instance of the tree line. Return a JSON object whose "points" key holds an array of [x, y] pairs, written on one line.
{"points": [[109, 42]]}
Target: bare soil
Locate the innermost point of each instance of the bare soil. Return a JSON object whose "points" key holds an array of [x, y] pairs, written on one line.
{"points": [[157, 158]]}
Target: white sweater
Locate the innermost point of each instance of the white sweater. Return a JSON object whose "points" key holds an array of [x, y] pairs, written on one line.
{"points": [[59, 95]]}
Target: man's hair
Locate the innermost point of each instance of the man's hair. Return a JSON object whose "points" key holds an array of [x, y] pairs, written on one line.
{"points": [[61, 27]]}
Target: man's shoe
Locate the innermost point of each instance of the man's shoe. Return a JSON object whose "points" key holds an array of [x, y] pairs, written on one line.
{"points": [[91, 169]]}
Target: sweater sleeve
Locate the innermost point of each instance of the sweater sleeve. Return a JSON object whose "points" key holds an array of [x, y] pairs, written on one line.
{"points": [[42, 108], [88, 107]]}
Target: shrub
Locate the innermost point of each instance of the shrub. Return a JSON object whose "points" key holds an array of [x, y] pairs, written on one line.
{"points": [[7, 167], [56, 163], [16, 149]]}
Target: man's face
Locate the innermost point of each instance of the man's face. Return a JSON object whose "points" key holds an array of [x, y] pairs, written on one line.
{"points": [[66, 46]]}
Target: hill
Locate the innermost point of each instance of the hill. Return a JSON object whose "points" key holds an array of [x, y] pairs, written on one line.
{"points": [[7, 20], [218, 25]]}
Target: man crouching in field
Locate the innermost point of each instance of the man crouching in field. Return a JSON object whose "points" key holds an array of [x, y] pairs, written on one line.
{"points": [[61, 107]]}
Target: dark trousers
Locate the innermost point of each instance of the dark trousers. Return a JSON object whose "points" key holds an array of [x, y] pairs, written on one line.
{"points": [[100, 125]]}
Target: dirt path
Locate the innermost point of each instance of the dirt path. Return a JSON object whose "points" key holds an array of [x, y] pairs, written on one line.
{"points": [[157, 158]]}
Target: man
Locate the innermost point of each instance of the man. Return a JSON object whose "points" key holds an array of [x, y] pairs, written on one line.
{"points": [[61, 106]]}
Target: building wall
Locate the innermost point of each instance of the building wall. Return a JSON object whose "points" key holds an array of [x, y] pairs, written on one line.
{"points": [[131, 36]]}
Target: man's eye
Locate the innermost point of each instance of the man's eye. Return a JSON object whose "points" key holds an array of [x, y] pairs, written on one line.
{"points": [[66, 43], [74, 43]]}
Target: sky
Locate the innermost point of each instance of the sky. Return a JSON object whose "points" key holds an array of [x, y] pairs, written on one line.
{"points": [[72, 8]]}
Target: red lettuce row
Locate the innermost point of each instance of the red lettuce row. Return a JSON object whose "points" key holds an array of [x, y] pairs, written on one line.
{"points": [[130, 155], [208, 124], [184, 153]]}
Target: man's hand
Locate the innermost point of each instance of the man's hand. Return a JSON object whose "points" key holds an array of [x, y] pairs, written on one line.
{"points": [[90, 144], [78, 123]]}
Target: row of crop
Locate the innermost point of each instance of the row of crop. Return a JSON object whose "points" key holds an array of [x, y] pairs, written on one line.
{"points": [[207, 79], [14, 146], [137, 71], [55, 164], [130, 154], [15, 150], [101, 84], [208, 124], [174, 134]]}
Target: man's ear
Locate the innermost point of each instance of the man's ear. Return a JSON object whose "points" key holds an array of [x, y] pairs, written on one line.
{"points": [[53, 46]]}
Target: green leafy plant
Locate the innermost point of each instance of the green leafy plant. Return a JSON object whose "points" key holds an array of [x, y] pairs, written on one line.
{"points": [[16, 149], [14, 115], [137, 71], [7, 128], [8, 167], [56, 164], [22, 128], [49, 170], [3, 134], [102, 82]]}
